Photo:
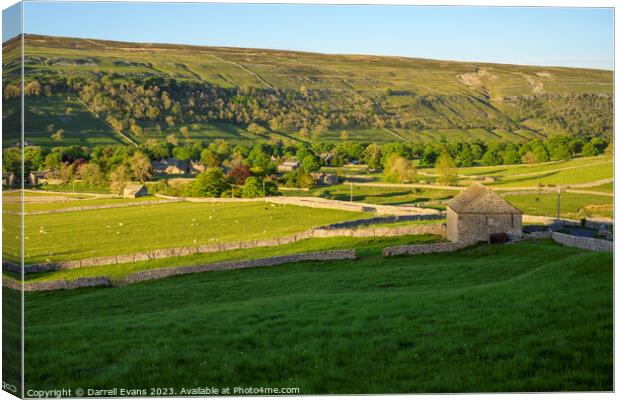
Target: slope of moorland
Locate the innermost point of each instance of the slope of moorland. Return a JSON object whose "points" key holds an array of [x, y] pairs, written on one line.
{"points": [[152, 90]]}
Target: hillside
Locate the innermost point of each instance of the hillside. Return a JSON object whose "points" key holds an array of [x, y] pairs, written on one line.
{"points": [[533, 316], [153, 90]]}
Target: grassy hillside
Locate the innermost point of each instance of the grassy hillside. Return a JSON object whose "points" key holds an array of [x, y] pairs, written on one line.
{"points": [[217, 92], [533, 316]]}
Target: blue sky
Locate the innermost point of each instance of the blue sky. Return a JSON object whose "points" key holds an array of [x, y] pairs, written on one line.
{"points": [[541, 36]]}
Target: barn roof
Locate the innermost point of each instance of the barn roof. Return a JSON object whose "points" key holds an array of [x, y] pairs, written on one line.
{"points": [[133, 187], [479, 199]]}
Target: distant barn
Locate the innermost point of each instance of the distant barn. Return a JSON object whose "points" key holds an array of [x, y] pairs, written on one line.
{"points": [[477, 213], [134, 190]]}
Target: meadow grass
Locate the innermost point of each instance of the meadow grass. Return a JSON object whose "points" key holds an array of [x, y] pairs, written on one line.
{"points": [[533, 316], [572, 205], [125, 230]]}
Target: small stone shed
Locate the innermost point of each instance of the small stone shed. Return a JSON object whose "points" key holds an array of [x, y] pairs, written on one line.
{"points": [[478, 212], [134, 190]]}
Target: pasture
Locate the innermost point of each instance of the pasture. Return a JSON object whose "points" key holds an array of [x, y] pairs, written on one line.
{"points": [[126, 230], [572, 205], [533, 316]]}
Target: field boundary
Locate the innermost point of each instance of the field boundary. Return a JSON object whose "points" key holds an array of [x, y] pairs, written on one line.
{"points": [[585, 243], [160, 273], [94, 207], [333, 230]]}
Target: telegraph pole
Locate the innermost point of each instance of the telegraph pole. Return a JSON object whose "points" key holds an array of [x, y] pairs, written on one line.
{"points": [[559, 191], [264, 195], [351, 192]]}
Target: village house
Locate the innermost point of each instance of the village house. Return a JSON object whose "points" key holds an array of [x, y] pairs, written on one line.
{"points": [[477, 213], [321, 178], [288, 166], [38, 177], [134, 190], [197, 167], [170, 166], [8, 179]]}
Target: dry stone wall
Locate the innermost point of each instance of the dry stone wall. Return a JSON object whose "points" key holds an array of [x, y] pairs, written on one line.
{"points": [[160, 273], [318, 202], [582, 242], [423, 249], [99, 207]]}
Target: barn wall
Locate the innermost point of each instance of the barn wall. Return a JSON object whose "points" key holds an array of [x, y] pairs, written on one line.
{"points": [[478, 227]]}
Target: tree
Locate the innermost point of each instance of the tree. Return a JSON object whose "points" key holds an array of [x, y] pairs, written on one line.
{"points": [[184, 131], [466, 157], [136, 129], [589, 150], [492, 157], [211, 183], [119, 177], [172, 139], [399, 170], [32, 89], [66, 173], [446, 168], [510, 155], [528, 157], [253, 187], [140, 166], [256, 129], [53, 160], [372, 156], [57, 136], [310, 164], [429, 157], [91, 174], [210, 158], [239, 173]]}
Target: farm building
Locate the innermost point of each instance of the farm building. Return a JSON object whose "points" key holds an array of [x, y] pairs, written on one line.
{"points": [[170, 166], [38, 177], [477, 213], [134, 190], [197, 167], [8, 179], [322, 178], [288, 166]]}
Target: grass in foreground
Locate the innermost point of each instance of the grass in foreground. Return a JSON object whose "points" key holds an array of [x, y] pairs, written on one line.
{"points": [[126, 230], [534, 316]]}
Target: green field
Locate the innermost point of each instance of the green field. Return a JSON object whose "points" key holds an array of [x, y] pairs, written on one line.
{"points": [[126, 230], [533, 316], [572, 205]]}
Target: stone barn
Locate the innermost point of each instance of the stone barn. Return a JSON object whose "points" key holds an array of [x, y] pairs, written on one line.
{"points": [[134, 190], [478, 212]]}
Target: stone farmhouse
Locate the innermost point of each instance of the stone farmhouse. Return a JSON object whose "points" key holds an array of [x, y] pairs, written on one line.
{"points": [[477, 213], [170, 166], [134, 190], [288, 166], [321, 178], [8, 179]]}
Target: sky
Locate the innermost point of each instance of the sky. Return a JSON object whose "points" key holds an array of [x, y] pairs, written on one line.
{"points": [[573, 37]]}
